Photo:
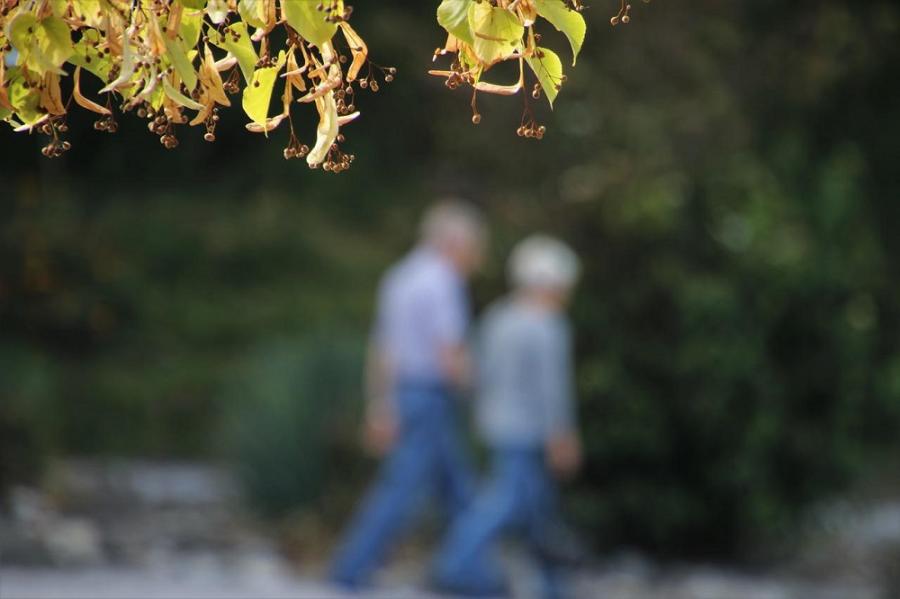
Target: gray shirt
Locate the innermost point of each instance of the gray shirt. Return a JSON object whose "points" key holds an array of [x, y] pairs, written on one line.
{"points": [[525, 375], [422, 308]]}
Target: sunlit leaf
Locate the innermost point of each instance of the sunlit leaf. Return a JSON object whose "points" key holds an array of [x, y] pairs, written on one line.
{"points": [[453, 15], [568, 21], [242, 49], [258, 93], [24, 98], [179, 98], [177, 55], [305, 17], [43, 45], [90, 11], [496, 31], [89, 58], [191, 27], [4, 93], [254, 12], [549, 70]]}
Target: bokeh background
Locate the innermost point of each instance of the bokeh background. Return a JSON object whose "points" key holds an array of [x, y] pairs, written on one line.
{"points": [[727, 171]]}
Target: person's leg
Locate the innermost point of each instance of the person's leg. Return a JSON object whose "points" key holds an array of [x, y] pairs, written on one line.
{"points": [[402, 483], [543, 527], [465, 562], [456, 478]]}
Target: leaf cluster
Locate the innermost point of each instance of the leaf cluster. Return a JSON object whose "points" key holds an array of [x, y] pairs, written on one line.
{"points": [[175, 62]]}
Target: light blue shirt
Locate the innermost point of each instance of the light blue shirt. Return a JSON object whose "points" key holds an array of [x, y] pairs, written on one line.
{"points": [[525, 375], [422, 308]]}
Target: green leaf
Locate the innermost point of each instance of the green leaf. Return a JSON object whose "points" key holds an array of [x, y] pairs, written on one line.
{"points": [[304, 16], [258, 93], [191, 27], [549, 70], [88, 58], [157, 97], [55, 41], [496, 31], [253, 12], [90, 11], [43, 45], [26, 100], [195, 4], [59, 7], [20, 30], [453, 15], [568, 21], [178, 56], [178, 97], [242, 49]]}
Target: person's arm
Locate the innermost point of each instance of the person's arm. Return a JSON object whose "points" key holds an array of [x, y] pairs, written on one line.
{"points": [[381, 425], [380, 429], [456, 364], [451, 318], [563, 445]]}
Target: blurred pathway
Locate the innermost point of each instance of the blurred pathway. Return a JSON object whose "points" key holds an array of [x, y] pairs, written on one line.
{"points": [[195, 580], [142, 530]]}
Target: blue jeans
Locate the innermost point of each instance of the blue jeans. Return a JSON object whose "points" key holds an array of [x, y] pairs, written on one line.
{"points": [[519, 495], [426, 460]]}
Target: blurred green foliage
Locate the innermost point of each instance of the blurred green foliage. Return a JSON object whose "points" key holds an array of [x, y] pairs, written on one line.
{"points": [[286, 423], [726, 170]]}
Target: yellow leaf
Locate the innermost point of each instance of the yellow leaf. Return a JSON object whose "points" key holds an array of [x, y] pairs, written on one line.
{"points": [[258, 93], [306, 18], [497, 32]]}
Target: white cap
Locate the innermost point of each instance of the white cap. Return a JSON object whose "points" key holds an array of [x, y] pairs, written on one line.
{"points": [[545, 262]]}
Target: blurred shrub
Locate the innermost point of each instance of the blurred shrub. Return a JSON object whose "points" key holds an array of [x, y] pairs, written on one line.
{"points": [[290, 427], [740, 376], [28, 424]]}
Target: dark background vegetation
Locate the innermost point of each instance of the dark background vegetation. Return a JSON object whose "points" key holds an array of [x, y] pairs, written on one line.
{"points": [[727, 170]]}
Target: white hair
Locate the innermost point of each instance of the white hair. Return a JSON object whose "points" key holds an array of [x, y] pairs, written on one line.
{"points": [[544, 262], [452, 221]]}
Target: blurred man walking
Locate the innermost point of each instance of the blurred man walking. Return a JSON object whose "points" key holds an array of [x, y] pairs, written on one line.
{"points": [[417, 362], [526, 417]]}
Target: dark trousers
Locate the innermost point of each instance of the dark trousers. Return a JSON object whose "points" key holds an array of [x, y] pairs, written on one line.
{"points": [[520, 495], [427, 460]]}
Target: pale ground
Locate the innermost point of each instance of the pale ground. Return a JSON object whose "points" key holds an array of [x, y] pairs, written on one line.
{"points": [[162, 531], [194, 579]]}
